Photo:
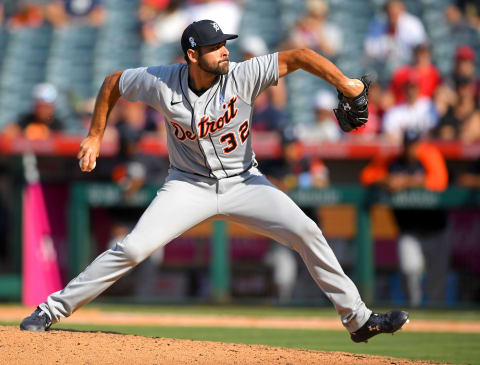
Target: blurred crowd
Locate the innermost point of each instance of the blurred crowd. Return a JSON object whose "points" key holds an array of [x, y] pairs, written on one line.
{"points": [[411, 103], [411, 93]]}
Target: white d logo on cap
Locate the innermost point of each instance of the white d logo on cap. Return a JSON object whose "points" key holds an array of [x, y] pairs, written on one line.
{"points": [[215, 26], [192, 42]]}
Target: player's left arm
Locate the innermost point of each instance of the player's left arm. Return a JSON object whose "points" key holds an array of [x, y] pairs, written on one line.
{"points": [[314, 63]]}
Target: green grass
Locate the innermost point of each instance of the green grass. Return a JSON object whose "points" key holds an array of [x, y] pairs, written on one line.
{"points": [[289, 312], [456, 348], [439, 347], [276, 311]]}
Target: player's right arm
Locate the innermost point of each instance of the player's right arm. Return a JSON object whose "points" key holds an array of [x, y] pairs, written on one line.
{"points": [[106, 99]]}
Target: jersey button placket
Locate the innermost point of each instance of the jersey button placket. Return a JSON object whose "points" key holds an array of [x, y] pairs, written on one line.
{"points": [[205, 143]]}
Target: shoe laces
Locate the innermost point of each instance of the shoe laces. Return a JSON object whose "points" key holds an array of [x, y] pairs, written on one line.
{"points": [[41, 313]]}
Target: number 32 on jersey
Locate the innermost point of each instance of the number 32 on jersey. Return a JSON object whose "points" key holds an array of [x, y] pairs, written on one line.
{"points": [[230, 138]]}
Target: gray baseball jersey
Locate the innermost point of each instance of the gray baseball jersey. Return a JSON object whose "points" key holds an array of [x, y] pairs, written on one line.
{"points": [[212, 176], [207, 135]]}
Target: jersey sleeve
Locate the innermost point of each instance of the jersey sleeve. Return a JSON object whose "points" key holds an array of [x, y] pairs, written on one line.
{"points": [[253, 76], [138, 84]]}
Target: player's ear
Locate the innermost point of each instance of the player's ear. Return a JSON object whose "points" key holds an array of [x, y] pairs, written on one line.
{"points": [[192, 55]]}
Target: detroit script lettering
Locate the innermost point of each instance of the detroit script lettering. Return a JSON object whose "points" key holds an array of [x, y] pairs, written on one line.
{"points": [[207, 126]]}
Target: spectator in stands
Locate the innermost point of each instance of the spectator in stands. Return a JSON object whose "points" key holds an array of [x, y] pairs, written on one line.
{"points": [[295, 169], [457, 100], [162, 21], [326, 126], [27, 15], [461, 31], [85, 12], [130, 172], [269, 108], [227, 13], [417, 112], [471, 8], [42, 121], [9, 8], [315, 31], [423, 242], [471, 178], [464, 66], [464, 69], [284, 267], [428, 76], [57, 12], [132, 114], [390, 43], [84, 110], [130, 122], [462, 117]]}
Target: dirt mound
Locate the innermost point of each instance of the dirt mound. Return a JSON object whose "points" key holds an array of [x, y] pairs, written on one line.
{"points": [[96, 316], [74, 347]]}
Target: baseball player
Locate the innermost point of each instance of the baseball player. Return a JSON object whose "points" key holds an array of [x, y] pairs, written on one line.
{"points": [[207, 103]]}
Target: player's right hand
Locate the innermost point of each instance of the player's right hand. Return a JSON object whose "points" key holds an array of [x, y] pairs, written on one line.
{"points": [[89, 151]]}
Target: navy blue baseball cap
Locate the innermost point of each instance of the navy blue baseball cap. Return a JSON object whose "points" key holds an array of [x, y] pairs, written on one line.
{"points": [[203, 33]]}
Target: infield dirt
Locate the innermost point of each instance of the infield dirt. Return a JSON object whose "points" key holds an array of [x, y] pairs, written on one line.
{"points": [[73, 347]]}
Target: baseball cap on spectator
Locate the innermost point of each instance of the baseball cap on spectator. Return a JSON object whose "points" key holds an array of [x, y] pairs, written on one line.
{"points": [[44, 93], [325, 100], [203, 33], [253, 45], [465, 53]]}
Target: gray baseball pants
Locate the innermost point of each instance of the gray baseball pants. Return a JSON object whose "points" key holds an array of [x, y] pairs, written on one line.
{"points": [[186, 200]]}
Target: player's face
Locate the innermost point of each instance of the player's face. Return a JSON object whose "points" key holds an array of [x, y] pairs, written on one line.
{"points": [[214, 59]]}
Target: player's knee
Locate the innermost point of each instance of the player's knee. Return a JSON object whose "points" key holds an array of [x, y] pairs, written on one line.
{"points": [[307, 232], [132, 251], [310, 229]]}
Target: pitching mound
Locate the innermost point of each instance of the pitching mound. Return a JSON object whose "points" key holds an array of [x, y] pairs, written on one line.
{"points": [[72, 347]]}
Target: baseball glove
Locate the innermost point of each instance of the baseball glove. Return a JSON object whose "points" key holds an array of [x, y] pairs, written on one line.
{"points": [[352, 113]]}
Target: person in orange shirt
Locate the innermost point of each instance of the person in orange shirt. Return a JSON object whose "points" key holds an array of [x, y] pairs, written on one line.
{"points": [[423, 243]]}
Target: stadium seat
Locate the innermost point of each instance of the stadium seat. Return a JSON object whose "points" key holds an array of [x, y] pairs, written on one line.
{"points": [[23, 66]]}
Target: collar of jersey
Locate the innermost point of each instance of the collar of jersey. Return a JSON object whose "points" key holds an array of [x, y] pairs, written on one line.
{"points": [[185, 87]]}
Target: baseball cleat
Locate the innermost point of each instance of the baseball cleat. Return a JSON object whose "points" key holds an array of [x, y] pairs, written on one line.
{"points": [[380, 323], [38, 321]]}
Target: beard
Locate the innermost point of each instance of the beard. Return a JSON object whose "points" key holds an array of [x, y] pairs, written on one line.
{"points": [[218, 68]]}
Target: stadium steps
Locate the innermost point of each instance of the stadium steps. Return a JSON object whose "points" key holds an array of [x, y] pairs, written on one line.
{"points": [[23, 66], [261, 18], [119, 40], [70, 69]]}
